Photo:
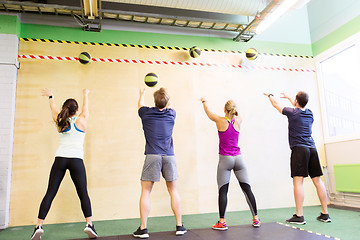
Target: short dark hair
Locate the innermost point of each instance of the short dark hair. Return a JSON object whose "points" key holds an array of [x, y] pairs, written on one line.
{"points": [[161, 98], [302, 98]]}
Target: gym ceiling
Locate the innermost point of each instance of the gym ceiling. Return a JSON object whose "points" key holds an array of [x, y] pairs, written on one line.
{"points": [[238, 18]]}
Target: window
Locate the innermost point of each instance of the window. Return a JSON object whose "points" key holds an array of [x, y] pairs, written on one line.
{"points": [[339, 85]]}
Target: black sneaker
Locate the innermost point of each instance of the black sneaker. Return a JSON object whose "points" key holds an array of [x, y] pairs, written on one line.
{"points": [[180, 230], [90, 231], [296, 219], [37, 233], [141, 233], [324, 218]]}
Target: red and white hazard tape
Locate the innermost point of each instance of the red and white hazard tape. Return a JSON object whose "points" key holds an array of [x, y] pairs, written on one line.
{"points": [[112, 60]]}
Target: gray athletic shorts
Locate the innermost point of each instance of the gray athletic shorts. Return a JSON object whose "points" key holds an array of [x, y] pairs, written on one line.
{"points": [[154, 164]]}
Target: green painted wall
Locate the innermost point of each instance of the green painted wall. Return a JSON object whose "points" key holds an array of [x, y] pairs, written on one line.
{"points": [[337, 36], [10, 25], [347, 177], [158, 39]]}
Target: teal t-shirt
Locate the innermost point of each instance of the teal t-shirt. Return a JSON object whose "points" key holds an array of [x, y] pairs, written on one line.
{"points": [[300, 126]]}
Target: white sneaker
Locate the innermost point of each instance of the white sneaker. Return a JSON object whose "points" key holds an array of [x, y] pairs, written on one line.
{"points": [[37, 233], [90, 231]]}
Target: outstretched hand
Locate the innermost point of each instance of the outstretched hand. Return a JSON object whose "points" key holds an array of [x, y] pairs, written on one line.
{"points": [[86, 91], [142, 91], [268, 94], [46, 92], [284, 95]]}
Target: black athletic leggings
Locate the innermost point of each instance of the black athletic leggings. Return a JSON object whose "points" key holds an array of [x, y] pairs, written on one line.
{"points": [[245, 187], [78, 176]]}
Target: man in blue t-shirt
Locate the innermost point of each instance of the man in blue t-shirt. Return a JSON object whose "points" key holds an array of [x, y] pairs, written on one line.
{"points": [[304, 160], [158, 123]]}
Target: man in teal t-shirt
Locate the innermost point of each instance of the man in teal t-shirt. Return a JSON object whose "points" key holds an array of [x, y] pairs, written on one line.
{"points": [[304, 159], [158, 123]]}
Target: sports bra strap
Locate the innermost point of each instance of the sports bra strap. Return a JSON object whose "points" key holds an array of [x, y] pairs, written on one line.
{"points": [[230, 121]]}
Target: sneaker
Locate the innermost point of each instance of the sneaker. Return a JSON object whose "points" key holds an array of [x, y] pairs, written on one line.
{"points": [[256, 223], [324, 218], [296, 219], [141, 233], [220, 226], [37, 233], [180, 230], [90, 231]]}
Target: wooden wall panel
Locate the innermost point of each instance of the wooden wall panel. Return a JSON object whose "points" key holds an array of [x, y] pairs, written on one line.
{"points": [[114, 143]]}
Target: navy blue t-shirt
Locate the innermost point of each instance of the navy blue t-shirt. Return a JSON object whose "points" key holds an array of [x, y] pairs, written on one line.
{"points": [[300, 124], [158, 128]]}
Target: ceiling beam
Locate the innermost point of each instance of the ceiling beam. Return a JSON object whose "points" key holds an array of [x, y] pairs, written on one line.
{"points": [[231, 22], [161, 12], [173, 13]]}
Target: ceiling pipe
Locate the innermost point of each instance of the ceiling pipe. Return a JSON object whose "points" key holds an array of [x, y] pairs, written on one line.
{"points": [[243, 7], [272, 12]]}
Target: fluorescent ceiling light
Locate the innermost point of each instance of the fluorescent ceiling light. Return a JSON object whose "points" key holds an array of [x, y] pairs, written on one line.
{"points": [[276, 14], [90, 8]]}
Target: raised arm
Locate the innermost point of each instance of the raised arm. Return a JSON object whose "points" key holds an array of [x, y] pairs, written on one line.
{"points": [[169, 105], [212, 116], [284, 95], [274, 102], [85, 107], [54, 111], [238, 119], [141, 98]]}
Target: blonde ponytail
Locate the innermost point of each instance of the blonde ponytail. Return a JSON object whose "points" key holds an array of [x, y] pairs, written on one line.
{"points": [[231, 108]]}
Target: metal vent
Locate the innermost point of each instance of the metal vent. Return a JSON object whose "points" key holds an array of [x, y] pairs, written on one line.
{"points": [[195, 14]]}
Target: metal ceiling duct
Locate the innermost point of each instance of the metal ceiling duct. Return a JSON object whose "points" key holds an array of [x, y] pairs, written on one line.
{"points": [[237, 16], [236, 7]]}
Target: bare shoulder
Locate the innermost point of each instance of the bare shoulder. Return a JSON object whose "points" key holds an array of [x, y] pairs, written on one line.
{"points": [[80, 120], [222, 124]]}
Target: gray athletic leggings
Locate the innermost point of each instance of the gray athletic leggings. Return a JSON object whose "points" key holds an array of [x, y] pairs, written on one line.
{"points": [[236, 163]]}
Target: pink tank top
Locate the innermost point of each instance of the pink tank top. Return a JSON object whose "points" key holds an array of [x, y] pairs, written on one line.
{"points": [[229, 141]]}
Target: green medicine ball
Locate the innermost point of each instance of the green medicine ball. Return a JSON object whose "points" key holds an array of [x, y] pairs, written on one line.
{"points": [[151, 79], [84, 58], [194, 52], [251, 54]]}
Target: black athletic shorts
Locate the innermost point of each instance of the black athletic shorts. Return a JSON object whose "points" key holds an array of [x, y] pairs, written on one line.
{"points": [[305, 162]]}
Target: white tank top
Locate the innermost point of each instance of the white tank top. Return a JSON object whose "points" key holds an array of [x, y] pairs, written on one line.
{"points": [[71, 142]]}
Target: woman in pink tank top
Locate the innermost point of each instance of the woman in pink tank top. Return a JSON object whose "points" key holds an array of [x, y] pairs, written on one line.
{"points": [[230, 159]]}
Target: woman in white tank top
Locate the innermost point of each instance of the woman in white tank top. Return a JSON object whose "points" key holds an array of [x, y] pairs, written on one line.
{"points": [[69, 156]]}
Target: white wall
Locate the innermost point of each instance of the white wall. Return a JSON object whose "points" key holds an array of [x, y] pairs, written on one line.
{"points": [[8, 74], [263, 135], [343, 149]]}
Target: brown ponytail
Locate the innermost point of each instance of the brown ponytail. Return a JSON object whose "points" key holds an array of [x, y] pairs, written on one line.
{"points": [[68, 110]]}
